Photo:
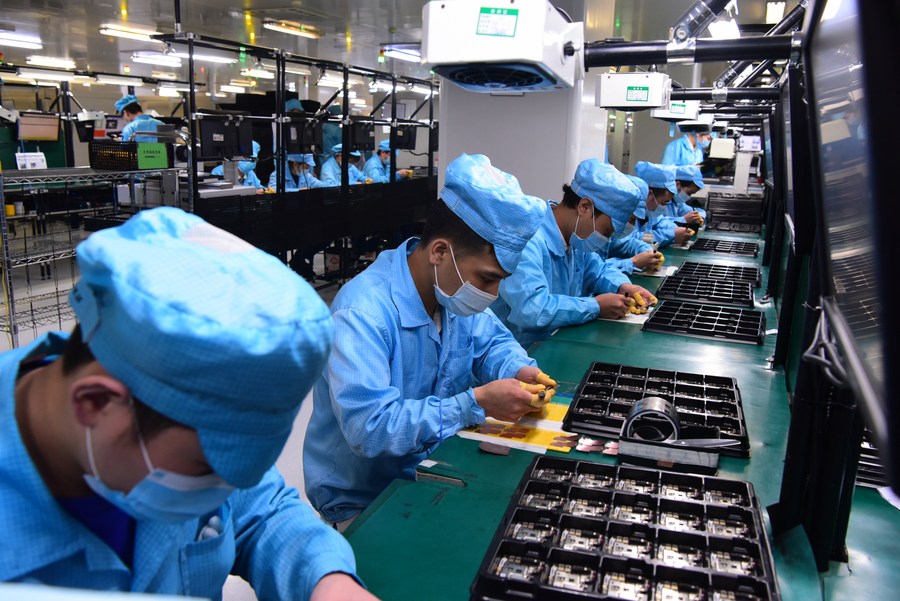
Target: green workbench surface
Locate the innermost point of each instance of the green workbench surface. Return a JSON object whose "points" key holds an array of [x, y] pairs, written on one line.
{"points": [[426, 539]]}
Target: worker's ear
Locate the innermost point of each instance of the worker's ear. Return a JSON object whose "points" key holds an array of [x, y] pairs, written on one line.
{"points": [[586, 208], [95, 394], [437, 250]]}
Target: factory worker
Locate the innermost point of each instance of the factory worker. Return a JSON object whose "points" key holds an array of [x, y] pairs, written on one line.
{"points": [[417, 355], [627, 250], [246, 170], [561, 280], [378, 167], [688, 181], [331, 170], [135, 119], [300, 175], [661, 180], [138, 450], [331, 131], [686, 150]]}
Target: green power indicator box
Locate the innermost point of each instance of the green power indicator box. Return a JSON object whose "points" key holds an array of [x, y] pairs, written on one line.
{"points": [[637, 94], [152, 155]]}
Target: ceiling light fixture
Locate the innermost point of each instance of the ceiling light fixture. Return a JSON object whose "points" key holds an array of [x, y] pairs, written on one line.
{"points": [[404, 52], [50, 61], [258, 71], [18, 40], [169, 92], [207, 58], [232, 89], [163, 75], [127, 31], [45, 74], [292, 28], [150, 57], [120, 80]]}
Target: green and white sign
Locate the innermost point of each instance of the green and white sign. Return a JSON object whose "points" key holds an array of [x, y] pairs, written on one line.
{"points": [[637, 94], [152, 155], [500, 22], [677, 108]]}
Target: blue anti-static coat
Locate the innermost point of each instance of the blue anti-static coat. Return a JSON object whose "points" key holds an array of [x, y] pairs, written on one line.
{"points": [[250, 178], [269, 537], [379, 172], [394, 386], [620, 250], [305, 179], [331, 174], [682, 152], [141, 123], [553, 286]]}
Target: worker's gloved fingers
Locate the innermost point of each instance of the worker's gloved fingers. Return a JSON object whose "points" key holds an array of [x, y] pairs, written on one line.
{"points": [[539, 400], [546, 380], [639, 299], [533, 388]]}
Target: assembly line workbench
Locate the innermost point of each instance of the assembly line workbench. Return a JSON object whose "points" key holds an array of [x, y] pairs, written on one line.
{"points": [[425, 539]]}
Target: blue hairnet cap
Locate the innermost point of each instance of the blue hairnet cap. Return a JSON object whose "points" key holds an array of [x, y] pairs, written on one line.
{"points": [[643, 190], [657, 176], [689, 173], [608, 188], [124, 101], [492, 203], [384, 145], [255, 148], [293, 105], [337, 148], [334, 109], [206, 329]]}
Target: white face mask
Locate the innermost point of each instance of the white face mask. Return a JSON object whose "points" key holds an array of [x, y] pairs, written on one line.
{"points": [[682, 196], [595, 242], [468, 300]]}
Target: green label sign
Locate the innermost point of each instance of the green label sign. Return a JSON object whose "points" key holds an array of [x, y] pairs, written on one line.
{"points": [[637, 94], [152, 155], [678, 108], [497, 22]]}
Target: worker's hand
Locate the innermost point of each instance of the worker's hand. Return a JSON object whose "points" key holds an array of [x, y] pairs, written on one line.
{"points": [[613, 305], [541, 386], [368, 180], [340, 587], [505, 400], [649, 260], [631, 290], [260, 191], [405, 172], [693, 217], [682, 235]]}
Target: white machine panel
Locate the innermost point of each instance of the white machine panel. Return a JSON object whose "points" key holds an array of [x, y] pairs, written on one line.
{"points": [[633, 91], [678, 110]]}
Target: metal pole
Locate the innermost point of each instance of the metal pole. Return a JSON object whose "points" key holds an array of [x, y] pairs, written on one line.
{"points": [[193, 184], [393, 129], [727, 94], [65, 109], [613, 54]]}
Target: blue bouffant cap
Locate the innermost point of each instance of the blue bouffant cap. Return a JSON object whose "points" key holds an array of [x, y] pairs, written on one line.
{"points": [[492, 203], [643, 189], [689, 173], [384, 145], [293, 105], [124, 101], [657, 176], [609, 189], [337, 148], [206, 329]]}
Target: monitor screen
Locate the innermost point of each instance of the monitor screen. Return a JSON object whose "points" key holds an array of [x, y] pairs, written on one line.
{"points": [[362, 133], [405, 137], [114, 123], [224, 135], [38, 127], [767, 153], [302, 135], [750, 143]]}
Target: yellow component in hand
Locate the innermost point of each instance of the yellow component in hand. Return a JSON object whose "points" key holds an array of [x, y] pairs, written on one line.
{"points": [[533, 388], [653, 300], [662, 258], [639, 299], [546, 380]]}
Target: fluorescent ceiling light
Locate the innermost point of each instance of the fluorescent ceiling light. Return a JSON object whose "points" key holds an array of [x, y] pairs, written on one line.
{"points": [[169, 92], [774, 12], [296, 70], [333, 81], [207, 58], [244, 83], [163, 75], [380, 86], [45, 74], [258, 71], [119, 80], [150, 57], [404, 52], [127, 31], [18, 40], [724, 29], [50, 61], [292, 28], [232, 89], [424, 91]]}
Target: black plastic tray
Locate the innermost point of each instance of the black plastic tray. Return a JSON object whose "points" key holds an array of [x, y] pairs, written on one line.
{"points": [[708, 406], [704, 290], [633, 534], [744, 249], [719, 271], [707, 321], [733, 226]]}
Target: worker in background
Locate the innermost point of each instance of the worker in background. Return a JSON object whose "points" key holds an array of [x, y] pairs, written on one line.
{"points": [[686, 150], [246, 170], [139, 450], [135, 119], [331, 170], [661, 228], [561, 280], [688, 181], [331, 131], [378, 167], [300, 174], [417, 355], [627, 251]]}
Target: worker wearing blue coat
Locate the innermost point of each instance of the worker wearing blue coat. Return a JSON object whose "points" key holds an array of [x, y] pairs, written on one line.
{"points": [[661, 180], [246, 168], [300, 173], [561, 280], [135, 119], [378, 167], [138, 451], [331, 170], [417, 355], [688, 181], [686, 150], [627, 251]]}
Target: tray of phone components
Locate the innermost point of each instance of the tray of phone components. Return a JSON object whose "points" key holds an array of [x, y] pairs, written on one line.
{"points": [[743, 249], [577, 531], [732, 226], [702, 290], [718, 271], [708, 406], [707, 321]]}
